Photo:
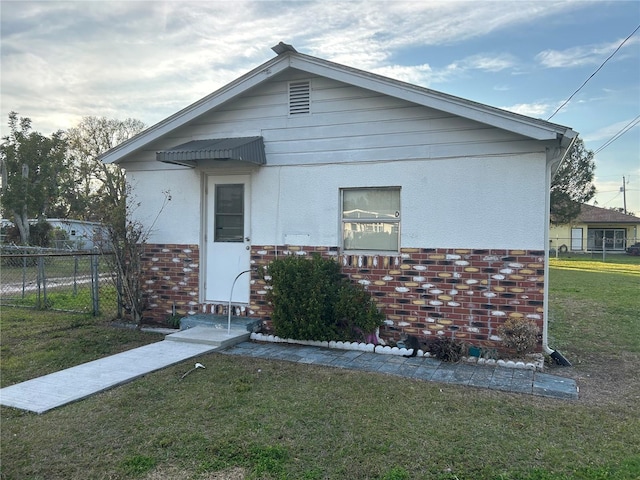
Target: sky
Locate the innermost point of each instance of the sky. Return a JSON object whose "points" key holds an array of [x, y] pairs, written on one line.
{"points": [[61, 61]]}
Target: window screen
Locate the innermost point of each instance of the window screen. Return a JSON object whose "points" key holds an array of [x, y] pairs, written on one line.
{"points": [[371, 219], [229, 213]]}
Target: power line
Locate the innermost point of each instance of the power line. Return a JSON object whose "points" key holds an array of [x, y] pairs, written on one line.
{"points": [[620, 132], [593, 74]]}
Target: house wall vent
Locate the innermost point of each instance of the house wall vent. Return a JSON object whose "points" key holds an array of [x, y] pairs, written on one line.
{"points": [[299, 98]]}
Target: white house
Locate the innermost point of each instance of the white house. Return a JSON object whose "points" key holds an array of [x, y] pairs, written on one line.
{"points": [[80, 234], [438, 204]]}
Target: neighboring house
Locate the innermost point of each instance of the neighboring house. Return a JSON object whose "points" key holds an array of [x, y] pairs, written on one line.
{"points": [[437, 204], [594, 230], [81, 235]]}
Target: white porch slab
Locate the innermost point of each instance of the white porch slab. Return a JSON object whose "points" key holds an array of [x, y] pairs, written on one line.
{"points": [[211, 336]]}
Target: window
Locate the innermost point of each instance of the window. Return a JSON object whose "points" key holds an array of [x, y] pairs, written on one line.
{"points": [[229, 213], [371, 219], [599, 239]]}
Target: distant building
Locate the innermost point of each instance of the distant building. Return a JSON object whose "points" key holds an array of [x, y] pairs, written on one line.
{"points": [[81, 235], [594, 230]]}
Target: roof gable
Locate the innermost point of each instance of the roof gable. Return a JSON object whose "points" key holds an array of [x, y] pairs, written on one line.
{"points": [[289, 58]]}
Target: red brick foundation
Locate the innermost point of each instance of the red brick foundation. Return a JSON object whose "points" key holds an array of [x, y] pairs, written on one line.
{"points": [[171, 280], [461, 293]]}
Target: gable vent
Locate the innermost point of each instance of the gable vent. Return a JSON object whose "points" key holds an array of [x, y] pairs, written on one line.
{"points": [[299, 98]]}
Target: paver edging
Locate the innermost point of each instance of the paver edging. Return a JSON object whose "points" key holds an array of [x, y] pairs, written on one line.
{"points": [[537, 365]]}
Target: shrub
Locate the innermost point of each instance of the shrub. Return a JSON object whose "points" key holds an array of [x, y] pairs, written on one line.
{"points": [[312, 301], [519, 334], [356, 312], [446, 349]]}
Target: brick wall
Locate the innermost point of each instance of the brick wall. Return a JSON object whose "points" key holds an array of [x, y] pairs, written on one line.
{"points": [[465, 294], [171, 280], [461, 293]]}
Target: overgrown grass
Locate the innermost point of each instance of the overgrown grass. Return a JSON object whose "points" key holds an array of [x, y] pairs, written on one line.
{"points": [[278, 420]]}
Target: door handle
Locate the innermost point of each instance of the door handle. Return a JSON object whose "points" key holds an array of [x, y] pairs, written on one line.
{"points": [[247, 239]]}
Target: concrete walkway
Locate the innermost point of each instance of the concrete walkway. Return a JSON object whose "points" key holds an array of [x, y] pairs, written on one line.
{"points": [[54, 390], [420, 368]]}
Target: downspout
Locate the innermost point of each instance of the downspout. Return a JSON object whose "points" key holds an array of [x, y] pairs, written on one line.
{"points": [[552, 166]]}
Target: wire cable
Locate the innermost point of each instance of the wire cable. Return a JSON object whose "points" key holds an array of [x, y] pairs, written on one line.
{"points": [[620, 132], [594, 73]]}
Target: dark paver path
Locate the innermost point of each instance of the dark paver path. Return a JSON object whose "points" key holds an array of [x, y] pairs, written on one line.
{"points": [[421, 368]]}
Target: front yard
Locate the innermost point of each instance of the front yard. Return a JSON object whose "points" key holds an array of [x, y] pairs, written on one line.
{"points": [[246, 418]]}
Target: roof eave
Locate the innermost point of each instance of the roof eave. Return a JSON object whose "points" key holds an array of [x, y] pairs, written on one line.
{"points": [[509, 121], [193, 111], [526, 126]]}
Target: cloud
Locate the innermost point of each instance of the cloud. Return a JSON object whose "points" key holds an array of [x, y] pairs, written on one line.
{"points": [[530, 109], [582, 55], [607, 132], [65, 60], [426, 75], [489, 62]]}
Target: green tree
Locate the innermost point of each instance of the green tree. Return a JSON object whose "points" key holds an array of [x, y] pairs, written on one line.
{"points": [[100, 190], [34, 173], [572, 184], [103, 194]]}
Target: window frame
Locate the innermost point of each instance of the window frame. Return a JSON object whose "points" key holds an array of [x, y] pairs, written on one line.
{"points": [[396, 221], [219, 236]]}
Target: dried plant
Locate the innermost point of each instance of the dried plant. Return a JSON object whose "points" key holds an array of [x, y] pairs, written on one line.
{"points": [[520, 334]]}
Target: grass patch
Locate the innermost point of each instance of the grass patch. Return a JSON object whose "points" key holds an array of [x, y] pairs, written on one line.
{"points": [[298, 421], [594, 306], [36, 343], [63, 298], [137, 465]]}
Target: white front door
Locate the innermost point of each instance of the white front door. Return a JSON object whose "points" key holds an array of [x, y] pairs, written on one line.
{"points": [[227, 238]]}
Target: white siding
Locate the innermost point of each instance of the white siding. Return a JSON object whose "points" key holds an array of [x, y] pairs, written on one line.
{"points": [[464, 184], [347, 124], [179, 220], [467, 203]]}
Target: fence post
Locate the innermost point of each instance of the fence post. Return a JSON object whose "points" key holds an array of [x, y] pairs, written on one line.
{"points": [[75, 275], [94, 283], [119, 293], [42, 284], [24, 273]]}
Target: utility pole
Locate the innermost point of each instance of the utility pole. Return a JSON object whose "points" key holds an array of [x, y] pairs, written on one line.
{"points": [[624, 195]]}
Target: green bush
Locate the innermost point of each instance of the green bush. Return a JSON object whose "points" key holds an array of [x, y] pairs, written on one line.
{"points": [[311, 300]]}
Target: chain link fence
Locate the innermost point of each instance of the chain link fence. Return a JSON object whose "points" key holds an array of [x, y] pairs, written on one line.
{"points": [[594, 246], [53, 280]]}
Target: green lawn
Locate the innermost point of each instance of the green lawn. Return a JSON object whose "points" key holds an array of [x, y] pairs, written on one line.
{"points": [[247, 418]]}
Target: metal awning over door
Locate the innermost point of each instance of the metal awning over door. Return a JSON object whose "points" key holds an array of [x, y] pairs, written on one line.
{"points": [[243, 149]]}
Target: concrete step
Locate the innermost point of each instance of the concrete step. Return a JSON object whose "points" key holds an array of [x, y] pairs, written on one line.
{"points": [[245, 324], [216, 337]]}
